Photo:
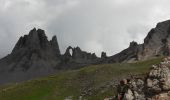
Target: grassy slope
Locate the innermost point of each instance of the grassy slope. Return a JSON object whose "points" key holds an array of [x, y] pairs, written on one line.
{"points": [[71, 83]]}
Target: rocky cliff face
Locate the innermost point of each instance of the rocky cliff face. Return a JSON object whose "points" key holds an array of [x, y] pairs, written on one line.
{"points": [[156, 43], [158, 40]]}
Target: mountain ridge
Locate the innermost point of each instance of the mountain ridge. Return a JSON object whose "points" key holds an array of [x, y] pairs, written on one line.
{"points": [[156, 43], [34, 55]]}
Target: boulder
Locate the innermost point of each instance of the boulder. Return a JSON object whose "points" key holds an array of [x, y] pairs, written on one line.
{"points": [[156, 86]]}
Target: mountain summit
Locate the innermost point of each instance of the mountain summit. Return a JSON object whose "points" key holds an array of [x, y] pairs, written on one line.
{"points": [[37, 40]]}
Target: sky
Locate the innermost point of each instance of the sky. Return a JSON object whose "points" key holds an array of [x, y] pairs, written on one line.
{"points": [[93, 25]]}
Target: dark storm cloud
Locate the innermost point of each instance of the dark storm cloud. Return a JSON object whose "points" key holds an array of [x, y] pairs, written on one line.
{"points": [[94, 25]]}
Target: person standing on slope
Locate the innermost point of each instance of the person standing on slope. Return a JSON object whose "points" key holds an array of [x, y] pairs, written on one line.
{"points": [[122, 89]]}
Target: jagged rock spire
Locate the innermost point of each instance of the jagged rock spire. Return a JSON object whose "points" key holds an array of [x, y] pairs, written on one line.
{"points": [[55, 45], [37, 39], [103, 55], [36, 48]]}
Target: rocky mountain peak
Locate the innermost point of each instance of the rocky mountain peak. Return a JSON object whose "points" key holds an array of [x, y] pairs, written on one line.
{"points": [[34, 50], [37, 39]]}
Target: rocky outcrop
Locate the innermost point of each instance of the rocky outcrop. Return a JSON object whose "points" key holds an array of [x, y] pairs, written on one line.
{"points": [[77, 57], [156, 86], [158, 82]]}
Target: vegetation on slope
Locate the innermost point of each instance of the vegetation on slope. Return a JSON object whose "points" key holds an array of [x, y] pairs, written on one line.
{"points": [[94, 82]]}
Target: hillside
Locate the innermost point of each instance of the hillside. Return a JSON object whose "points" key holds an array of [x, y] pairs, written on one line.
{"points": [[94, 82]]}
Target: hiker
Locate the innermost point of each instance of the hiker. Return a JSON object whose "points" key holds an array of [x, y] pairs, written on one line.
{"points": [[122, 89]]}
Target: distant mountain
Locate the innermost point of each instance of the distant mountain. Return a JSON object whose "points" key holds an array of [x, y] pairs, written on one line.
{"points": [[34, 55]]}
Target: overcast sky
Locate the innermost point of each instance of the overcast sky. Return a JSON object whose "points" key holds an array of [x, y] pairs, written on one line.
{"points": [[93, 25]]}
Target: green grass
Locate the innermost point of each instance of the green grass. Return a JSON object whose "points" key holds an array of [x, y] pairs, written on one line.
{"points": [[72, 83]]}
